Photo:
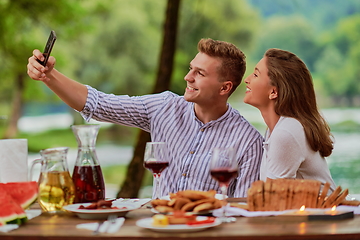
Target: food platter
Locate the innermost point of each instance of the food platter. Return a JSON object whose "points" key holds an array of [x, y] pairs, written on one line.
{"points": [[217, 196], [147, 224], [201, 213], [121, 210]]}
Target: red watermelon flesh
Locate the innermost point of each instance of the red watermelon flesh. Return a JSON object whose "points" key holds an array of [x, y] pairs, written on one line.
{"points": [[23, 193], [10, 211]]}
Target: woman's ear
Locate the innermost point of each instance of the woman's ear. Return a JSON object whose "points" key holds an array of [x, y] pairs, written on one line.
{"points": [[226, 87], [273, 94]]}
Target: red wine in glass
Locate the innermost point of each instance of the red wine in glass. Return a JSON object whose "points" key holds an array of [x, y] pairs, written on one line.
{"points": [[156, 167], [223, 167], [156, 159], [89, 184], [223, 175]]}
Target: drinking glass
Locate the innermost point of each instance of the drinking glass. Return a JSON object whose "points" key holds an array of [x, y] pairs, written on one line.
{"points": [[223, 168], [156, 160]]}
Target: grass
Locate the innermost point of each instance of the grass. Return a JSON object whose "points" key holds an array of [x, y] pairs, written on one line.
{"points": [[118, 135], [346, 127], [115, 176], [49, 139]]}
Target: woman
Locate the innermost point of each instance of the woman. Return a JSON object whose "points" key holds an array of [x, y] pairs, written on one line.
{"points": [[298, 138]]}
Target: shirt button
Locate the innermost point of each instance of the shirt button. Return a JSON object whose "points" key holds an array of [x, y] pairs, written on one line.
{"points": [[191, 152], [184, 174], [202, 129]]}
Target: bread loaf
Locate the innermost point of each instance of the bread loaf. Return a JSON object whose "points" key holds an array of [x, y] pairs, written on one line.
{"points": [[283, 194]]}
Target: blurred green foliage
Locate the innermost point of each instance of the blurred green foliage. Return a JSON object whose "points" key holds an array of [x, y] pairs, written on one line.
{"points": [[114, 46]]}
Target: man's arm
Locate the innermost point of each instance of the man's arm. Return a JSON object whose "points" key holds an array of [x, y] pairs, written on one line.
{"points": [[71, 92]]}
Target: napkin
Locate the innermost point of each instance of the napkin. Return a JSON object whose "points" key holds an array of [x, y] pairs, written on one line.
{"points": [[13, 160], [29, 213], [105, 227], [8, 227], [234, 211], [138, 202]]}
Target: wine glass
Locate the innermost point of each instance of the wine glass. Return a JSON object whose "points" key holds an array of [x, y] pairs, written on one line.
{"points": [[156, 160], [223, 168]]}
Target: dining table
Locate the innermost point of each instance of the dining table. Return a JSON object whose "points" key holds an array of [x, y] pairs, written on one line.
{"points": [[63, 226]]}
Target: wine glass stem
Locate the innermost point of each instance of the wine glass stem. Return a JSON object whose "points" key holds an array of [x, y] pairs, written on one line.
{"points": [[223, 188], [157, 185]]}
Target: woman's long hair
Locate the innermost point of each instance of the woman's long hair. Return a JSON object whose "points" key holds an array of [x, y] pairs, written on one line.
{"points": [[296, 97]]}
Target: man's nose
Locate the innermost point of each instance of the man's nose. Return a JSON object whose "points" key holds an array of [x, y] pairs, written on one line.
{"points": [[188, 77]]}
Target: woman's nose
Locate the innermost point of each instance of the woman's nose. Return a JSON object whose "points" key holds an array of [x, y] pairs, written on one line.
{"points": [[247, 79]]}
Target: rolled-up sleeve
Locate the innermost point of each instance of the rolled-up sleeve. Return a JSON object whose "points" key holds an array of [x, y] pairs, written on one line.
{"points": [[91, 104]]}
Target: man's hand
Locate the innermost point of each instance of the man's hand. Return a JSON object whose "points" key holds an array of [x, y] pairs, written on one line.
{"points": [[37, 71]]}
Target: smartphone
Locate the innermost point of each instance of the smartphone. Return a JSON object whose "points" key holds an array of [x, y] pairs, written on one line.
{"points": [[49, 45]]}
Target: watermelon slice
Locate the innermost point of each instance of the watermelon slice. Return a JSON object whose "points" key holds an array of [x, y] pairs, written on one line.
{"points": [[14, 198], [23, 193], [10, 211]]}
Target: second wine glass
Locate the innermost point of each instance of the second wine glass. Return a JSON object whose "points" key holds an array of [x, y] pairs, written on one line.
{"points": [[223, 168], [156, 160]]}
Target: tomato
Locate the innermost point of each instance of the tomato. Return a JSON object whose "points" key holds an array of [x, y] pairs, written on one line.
{"points": [[198, 222]]}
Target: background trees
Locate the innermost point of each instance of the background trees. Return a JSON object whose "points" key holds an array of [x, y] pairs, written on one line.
{"points": [[114, 45]]}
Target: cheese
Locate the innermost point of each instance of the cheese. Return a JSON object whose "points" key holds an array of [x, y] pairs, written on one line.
{"points": [[160, 220]]}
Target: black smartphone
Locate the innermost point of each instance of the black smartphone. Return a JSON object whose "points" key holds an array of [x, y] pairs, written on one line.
{"points": [[49, 45]]}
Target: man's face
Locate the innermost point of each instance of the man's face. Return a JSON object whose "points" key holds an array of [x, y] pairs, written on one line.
{"points": [[203, 86]]}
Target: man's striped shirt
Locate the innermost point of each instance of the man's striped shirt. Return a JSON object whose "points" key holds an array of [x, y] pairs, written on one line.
{"points": [[170, 118]]}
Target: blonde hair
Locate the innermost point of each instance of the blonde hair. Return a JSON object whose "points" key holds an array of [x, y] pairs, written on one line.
{"points": [[296, 97], [233, 60]]}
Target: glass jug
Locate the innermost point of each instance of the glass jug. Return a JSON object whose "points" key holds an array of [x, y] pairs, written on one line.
{"points": [[56, 188], [87, 175]]}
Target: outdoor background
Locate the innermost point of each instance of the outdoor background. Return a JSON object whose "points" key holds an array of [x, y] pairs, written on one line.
{"points": [[114, 45]]}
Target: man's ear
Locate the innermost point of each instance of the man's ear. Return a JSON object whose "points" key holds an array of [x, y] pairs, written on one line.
{"points": [[273, 94], [226, 87]]}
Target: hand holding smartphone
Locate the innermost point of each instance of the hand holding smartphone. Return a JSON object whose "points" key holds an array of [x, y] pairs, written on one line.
{"points": [[48, 47]]}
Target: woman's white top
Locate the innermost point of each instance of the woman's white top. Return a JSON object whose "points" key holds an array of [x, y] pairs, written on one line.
{"points": [[287, 154]]}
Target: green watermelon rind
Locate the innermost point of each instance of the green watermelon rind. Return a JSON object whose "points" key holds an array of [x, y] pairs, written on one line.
{"points": [[18, 216], [13, 218], [16, 205]]}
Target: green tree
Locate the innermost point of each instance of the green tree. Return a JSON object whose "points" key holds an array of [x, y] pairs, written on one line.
{"points": [[338, 66], [24, 25], [294, 34], [234, 21], [135, 173], [121, 55]]}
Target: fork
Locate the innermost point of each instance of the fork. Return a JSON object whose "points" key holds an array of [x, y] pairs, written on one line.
{"points": [[111, 220], [96, 231]]}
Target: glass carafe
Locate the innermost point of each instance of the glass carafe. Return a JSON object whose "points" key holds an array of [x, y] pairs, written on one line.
{"points": [[56, 188], [87, 175]]}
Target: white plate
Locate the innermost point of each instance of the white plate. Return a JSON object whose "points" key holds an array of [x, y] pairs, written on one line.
{"points": [[147, 223], [101, 213]]}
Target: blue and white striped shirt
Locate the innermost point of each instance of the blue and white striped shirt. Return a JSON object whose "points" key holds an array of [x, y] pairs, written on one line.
{"points": [[170, 118]]}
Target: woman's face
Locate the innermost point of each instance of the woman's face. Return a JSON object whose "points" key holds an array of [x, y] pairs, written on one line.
{"points": [[259, 91]]}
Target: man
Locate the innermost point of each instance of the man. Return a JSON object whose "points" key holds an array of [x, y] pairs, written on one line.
{"points": [[191, 125]]}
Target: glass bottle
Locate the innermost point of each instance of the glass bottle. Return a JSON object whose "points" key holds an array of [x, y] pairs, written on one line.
{"points": [[56, 188], [87, 176]]}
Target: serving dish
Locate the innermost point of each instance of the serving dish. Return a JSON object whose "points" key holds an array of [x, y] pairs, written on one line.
{"points": [[122, 208]]}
